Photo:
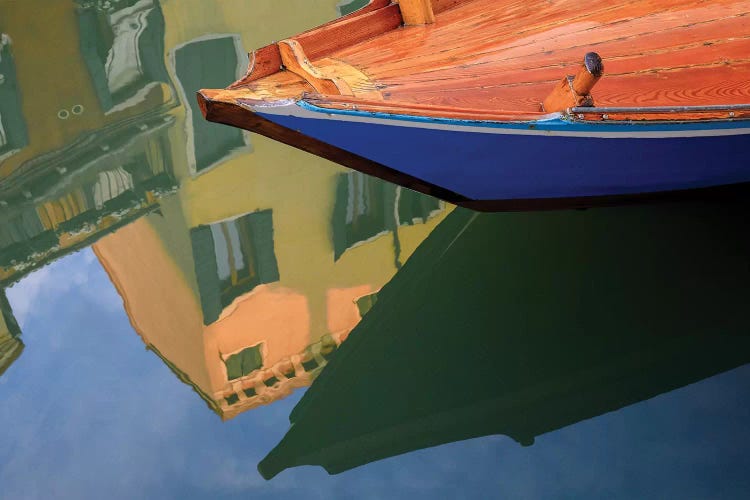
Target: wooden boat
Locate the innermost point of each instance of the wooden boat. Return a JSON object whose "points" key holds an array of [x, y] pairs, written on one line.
{"points": [[505, 104]]}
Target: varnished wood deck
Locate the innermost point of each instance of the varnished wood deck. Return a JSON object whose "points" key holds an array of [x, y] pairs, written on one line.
{"points": [[497, 59], [507, 55]]}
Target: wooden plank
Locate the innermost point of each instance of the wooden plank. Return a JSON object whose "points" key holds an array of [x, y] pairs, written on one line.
{"points": [[297, 62], [360, 85], [505, 55], [415, 109], [417, 11], [264, 61], [281, 85], [335, 36], [468, 33], [439, 6]]}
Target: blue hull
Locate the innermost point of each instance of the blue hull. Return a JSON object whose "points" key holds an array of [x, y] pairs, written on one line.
{"points": [[552, 159]]}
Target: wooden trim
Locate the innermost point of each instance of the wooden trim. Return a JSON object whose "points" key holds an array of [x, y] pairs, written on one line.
{"points": [[439, 6], [348, 103], [417, 12], [359, 83], [297, 62], [411, 109], [331, 37], [266, 60]]}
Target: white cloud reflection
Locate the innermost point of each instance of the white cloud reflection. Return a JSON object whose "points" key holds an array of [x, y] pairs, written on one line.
{"points": [[86, 412]]}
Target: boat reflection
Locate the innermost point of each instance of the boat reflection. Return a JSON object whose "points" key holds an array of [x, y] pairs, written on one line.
{"points": [[239, 262], [520, 324]]}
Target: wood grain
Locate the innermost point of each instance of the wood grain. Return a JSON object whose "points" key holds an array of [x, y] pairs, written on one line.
{"points": [[264, 62], [346, 33], [575, 91], [295, 60], [439, 6], [509, 54], [404, 108], [417, 11], [501, 58]]}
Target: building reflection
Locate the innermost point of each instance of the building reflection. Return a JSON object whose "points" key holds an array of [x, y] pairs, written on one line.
{"points": [[521, 324], [91, 153], [242, 264], [85, 114], [10, 342]]}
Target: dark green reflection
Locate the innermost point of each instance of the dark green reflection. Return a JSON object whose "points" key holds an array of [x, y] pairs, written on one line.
{"points": [[367, 207], [231, 258], [122, 43], [13, 133], [209, 63], [520, 324], [349, 6], [11, 346]]}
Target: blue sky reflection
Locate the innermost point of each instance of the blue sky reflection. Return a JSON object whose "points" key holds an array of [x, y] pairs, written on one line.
{"points": [[87, 412]]}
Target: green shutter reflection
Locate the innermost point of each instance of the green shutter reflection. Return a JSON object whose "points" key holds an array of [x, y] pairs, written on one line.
{"points": [[244, 362], [13, 133], [231, 258], [209, 63], [122, 44]]}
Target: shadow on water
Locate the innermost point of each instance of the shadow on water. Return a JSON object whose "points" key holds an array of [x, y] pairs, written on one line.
{"points": [[520, 324]]}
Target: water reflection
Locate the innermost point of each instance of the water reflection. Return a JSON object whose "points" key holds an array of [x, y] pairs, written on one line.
{"points": [[239, 263], [520, 324], [240, 283], [244, 266]]}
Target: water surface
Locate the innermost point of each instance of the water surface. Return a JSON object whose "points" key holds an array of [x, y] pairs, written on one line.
{"points": [[173, 291]]}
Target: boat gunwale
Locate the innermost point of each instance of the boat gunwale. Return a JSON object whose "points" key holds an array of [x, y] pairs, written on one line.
{"points": [[542, 123]]}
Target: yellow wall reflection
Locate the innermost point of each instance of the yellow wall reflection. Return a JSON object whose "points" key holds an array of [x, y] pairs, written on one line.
{"points": [[239, 261], [247, 279], [84, 100]]}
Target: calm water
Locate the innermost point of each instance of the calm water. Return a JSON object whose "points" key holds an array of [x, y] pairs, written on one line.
{"points": [[175, 292]]}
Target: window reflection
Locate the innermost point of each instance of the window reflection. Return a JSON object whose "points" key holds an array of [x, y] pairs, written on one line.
{"points": [[367, 207], [122, 43], [13, 134], [208, 63], [231, 258]]}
